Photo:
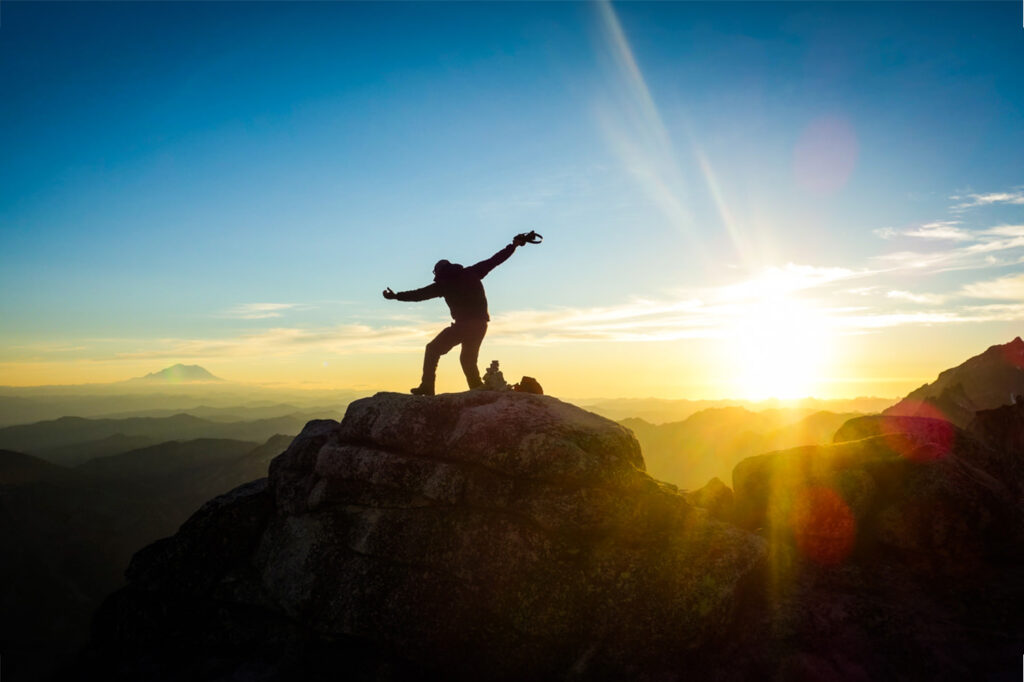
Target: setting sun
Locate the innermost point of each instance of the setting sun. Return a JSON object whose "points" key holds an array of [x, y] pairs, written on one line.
{"points": [[778, 348]]}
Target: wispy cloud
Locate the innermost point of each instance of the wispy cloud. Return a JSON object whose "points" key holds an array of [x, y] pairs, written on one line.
{"points": [[637, 320], [943, 229], [998, 312], [281, 341], [260, 311], [929, 299], [1010, 288], [938, 230], [872, 320], [951, 245], [971, 200], [1005, 231], [992, 247], [790, 278]]}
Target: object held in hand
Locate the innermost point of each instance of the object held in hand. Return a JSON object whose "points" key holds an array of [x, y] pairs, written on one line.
{"points": [[530, 237]]}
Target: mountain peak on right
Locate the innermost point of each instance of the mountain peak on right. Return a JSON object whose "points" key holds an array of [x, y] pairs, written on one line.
{"points": [[986, 381]]}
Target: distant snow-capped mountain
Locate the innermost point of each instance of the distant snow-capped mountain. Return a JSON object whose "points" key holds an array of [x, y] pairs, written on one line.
{"points": [[179, 373]]}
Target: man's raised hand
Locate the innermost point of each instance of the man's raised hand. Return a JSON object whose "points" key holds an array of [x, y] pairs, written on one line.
{"points": [[530, 237], [388, 294]]}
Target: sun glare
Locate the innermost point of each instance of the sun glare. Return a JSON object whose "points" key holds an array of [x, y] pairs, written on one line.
{"points": [[778, 348]]}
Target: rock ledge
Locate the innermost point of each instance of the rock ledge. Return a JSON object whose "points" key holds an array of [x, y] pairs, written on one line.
{"points": [[472, 535]]}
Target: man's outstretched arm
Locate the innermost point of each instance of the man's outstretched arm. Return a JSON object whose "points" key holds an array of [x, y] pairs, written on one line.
{"points": [[429, 291], [485, 266]]}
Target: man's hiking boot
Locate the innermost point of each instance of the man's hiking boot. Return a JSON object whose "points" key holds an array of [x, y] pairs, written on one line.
{"points": [[422, 389]]}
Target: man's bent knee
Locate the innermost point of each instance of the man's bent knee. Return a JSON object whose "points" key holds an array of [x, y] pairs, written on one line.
{"points": [[434, 348]]}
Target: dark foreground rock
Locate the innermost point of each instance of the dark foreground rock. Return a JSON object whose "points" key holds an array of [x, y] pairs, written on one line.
{"points": [[895, 553], [467, 536], [716, 497], [507, 536]]}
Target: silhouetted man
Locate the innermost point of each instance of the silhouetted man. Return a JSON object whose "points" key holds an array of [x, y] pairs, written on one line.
{"points": [[464, 293]]}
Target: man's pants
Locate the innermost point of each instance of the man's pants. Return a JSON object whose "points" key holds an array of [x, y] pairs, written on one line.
{"points": [[470, 334]]}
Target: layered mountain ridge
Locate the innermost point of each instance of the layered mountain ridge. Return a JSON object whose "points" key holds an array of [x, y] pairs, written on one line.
{"points": [[67, 534]]}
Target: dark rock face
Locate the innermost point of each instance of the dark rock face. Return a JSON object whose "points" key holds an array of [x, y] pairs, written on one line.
{"points": [[716, 497], [895, 556], [918, 430], [888, 495], [993, 443], [478, 535], [1002, 429]]}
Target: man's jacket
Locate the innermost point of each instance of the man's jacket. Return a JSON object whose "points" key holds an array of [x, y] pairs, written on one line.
{"points": [[461, 288]]}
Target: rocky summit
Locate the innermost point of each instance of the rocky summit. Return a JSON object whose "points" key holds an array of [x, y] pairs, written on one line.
{"points": [[480, 535], [511, 536]]}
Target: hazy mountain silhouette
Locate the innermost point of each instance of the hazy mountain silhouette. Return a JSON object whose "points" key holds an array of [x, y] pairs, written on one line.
{"points": [[166, 459], [66, 534], [17, 468], [985, 381], [64, 543], [78, 452], [711, 442], [662, 411], [232, 413], [217, 401], [177, 374], [72, 440]]}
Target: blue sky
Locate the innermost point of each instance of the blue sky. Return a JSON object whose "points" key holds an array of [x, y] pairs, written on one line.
{"points": [[233, 184]]}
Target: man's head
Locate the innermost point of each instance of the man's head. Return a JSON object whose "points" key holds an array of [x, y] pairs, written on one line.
{"points": [[445, 268]]}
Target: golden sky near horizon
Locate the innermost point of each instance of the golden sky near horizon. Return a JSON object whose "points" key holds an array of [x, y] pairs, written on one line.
{"points": [[701, 369]]}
